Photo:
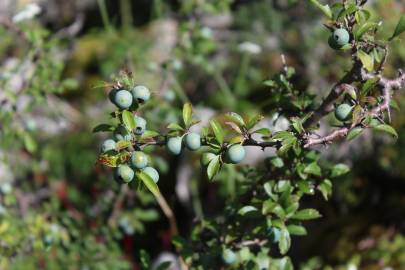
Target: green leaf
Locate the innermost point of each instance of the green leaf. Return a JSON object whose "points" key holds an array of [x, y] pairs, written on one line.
{"points": [[145, 259], [122, 145], [149, 183], [175, 126], [234, 126], [283, 185], [313, 168], [296, 230], [187, 114], [149, 134], [218, 131], [29, 143], [103, 127], [306, 214], [253, 121], [213, 167], [367, 60], [164, 265], [247, 209], [285, 241], [388, 129], [263, 131], [277, 162], [325, 8], [128, 120], [325, 188], [283, 135], [363, 29], [236, 118], [347, 11], [339, 169], [354, 133], [399, 28]]}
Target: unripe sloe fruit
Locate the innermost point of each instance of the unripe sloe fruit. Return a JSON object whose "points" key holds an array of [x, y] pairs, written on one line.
{"points": [[341, 37], [192, 141], [139, 160], [111, 95], [123, 99], [122, 134], [108, 145], [235, 154], [229, 256], [206, 158], [343, 112], [141, 93], [140, 125], [152, 172], [332, 43], [174, 145], [125, 173]]}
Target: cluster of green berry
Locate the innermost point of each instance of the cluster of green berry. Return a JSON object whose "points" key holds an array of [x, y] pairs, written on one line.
{"points": [[128, 138], [125, 99]]}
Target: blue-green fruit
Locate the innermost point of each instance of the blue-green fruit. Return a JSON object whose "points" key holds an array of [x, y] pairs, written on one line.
{"points": [[192, 141], [108, 145], [152, 172], [140, 125], [123, 99], [206, 158], [343, 112], [139, 160], [141, 93], [122, 134], [341, 37], [174, 145], [235, 154], [332, 43], [229, 256], [111, 95], [125, 173]]}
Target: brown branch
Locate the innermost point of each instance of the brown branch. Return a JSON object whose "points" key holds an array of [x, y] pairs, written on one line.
{"points": [[172, 223], [336, 134], [337, 90], [387, 86]]}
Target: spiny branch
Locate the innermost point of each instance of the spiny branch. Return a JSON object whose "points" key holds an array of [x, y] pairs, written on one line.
{"points": [[387, 86]]}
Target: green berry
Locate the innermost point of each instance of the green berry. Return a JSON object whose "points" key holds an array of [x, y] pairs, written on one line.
{"points": [[140, 125], [229, 256], [122, 134], [152, 172], [174, 145], [343, 112], [235, 154], [141, 94], [139, 160], [192, 141], [111, 95], [341, 37], [125, 173], [108, 145], [123, 99], [332, 43], [206, 158]]}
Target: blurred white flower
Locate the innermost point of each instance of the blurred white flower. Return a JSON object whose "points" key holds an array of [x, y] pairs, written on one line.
{"points": [[29, 12], [250, 47]]}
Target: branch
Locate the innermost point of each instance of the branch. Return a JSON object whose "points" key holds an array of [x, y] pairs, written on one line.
{"points": [[161, 141], [327, 105], [387, 86]]}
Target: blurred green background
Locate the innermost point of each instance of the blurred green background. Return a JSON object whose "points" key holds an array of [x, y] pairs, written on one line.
{"points": [[55, 56]]}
